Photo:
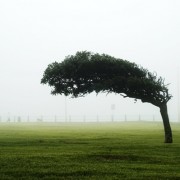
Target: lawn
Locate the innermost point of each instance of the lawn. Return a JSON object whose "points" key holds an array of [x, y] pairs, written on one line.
{"points": [[123, 150]]}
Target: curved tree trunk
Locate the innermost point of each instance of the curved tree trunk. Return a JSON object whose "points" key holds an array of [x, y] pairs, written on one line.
{"points": [[167, 127]]}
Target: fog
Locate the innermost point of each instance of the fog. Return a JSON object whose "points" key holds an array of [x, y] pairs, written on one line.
{"points": [[35, 33]]}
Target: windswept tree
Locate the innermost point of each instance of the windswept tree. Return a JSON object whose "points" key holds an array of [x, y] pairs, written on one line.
{"points": [[85, 72]]}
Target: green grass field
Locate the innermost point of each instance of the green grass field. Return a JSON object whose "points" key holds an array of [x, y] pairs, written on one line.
{"points": [[127, 150]]}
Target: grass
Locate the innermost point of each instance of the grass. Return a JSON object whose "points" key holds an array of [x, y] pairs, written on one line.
{"points": [[124, 150]]}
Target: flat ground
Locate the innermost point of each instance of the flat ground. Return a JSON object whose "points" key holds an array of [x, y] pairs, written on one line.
{"points": [[127, 150]]}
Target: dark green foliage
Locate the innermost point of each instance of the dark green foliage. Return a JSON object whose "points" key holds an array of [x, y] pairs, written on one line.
{"points": [[86, 72]]}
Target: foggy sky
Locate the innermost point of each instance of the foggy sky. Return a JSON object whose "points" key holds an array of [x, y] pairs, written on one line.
{"points": [[35, 33]]}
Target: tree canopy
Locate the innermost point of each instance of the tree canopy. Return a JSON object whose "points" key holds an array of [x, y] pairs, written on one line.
{"points": [[86, 72]]}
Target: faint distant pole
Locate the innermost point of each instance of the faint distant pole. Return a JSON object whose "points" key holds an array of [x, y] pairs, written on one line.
{"points": [[65, 108], [9, 119], [97, 118], [178, 89], [19, 119], [125, 118], [112, 109], [84, 118], [139, 118], [55, 118]]}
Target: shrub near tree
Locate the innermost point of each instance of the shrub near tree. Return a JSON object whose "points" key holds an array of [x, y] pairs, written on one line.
{"points": [[85, 72]]}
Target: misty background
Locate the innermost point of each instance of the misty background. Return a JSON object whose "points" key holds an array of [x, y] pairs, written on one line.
{"points": [[35, 33]]}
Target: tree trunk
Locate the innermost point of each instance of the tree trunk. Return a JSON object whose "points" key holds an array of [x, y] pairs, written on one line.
{"points": [[167, 127]]}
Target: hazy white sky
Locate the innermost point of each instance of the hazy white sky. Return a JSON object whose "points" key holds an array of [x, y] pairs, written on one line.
{"points": [[35, 33]]}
